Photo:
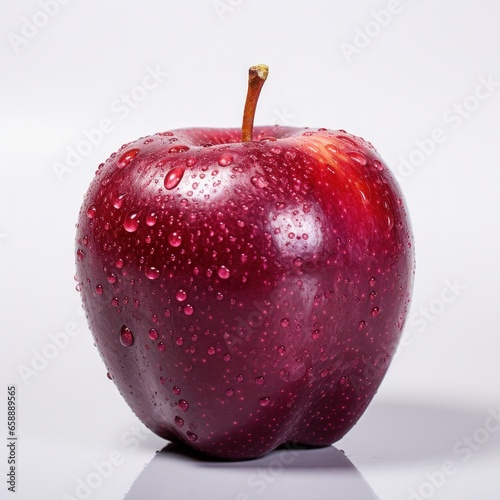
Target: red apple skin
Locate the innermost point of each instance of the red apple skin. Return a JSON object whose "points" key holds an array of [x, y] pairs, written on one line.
{"points": [[246, 295]]}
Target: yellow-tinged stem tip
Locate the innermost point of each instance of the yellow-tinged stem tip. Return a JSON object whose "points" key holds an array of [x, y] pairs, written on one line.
{"points": [[261, 69]]}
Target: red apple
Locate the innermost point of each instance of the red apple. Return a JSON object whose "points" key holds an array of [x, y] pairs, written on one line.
{"points": [[246, 289]]}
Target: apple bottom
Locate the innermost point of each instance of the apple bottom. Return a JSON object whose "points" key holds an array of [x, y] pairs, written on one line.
{"points": [[244, 397], [315, 421]]}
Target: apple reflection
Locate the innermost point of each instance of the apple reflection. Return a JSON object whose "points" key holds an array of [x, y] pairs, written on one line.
{"points": [[293, 473], [296, 235]]}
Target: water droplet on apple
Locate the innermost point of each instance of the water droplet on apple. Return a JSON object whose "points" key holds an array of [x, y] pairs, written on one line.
{"points": [[229, 392], [225, 160], [191, 436], [188, 310], [315, 335], [98, 289], [118, 201], [119, 263], [179, 421], [176, 390], [357, 157], [378, 165], [91, 212], [127, 157], [152, 273], [211, 350], [162, 380], [131, 222], [180, 148], [281, 349], [298, 262], [361, 325], [191, 161], [343, 380], [284, 322], [375, 312], [175, 239], [223, 272], [181, 295], [151, 219], [179, 341], [173, 178], [264, 401], [153, 334], [373, 294], [161, 346], [126, 337], [258, 181], [112, 279], [183, 405], [227, 357], [324, 373], [259, 380], [332, 148], [80, 254]]}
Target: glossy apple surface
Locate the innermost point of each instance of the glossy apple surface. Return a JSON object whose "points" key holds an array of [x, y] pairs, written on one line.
{"points": [[246, 295]]}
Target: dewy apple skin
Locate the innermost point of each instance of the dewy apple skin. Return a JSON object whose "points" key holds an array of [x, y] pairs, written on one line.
{"points": [[246, 288]]}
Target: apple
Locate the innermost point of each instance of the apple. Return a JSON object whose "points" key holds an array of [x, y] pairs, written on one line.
{"points": [[246, 288]]}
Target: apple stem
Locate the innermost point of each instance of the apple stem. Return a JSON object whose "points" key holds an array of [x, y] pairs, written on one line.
{"points": [[256, 77]]}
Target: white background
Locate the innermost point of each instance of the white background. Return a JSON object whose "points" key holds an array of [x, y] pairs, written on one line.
{"points": [[394, 87]]}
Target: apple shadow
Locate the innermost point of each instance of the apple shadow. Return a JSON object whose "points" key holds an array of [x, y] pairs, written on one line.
{"points": [[404, 432], [302, 474]]}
